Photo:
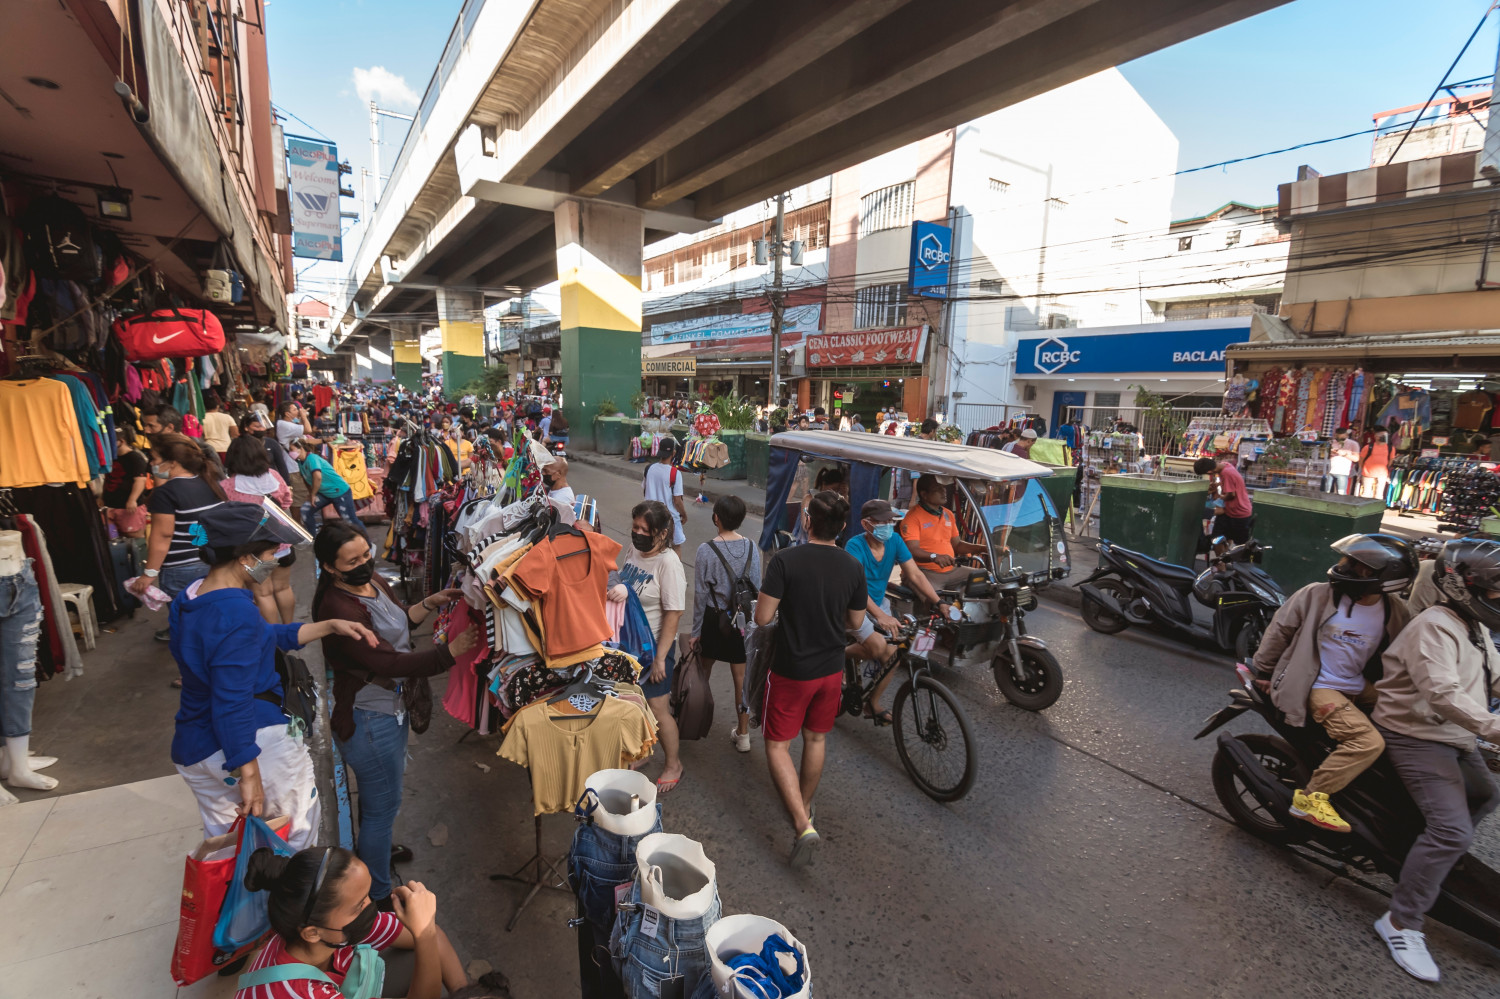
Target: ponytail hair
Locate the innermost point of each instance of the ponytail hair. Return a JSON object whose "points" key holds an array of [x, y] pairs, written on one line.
{"points": [[290, 883], [185, 452]]}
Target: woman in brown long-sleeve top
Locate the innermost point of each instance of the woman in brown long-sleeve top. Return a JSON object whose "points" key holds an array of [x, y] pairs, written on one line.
{"points": [[375, 688]]}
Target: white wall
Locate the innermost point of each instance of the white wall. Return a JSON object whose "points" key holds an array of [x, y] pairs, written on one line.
{"points": [[1087, 170]]}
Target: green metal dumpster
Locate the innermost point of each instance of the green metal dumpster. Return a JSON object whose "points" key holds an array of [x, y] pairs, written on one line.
{"points": [[757, 458], [609, 434], [1299, 530], [734, 440], [1161, 518], [1059, 486]]}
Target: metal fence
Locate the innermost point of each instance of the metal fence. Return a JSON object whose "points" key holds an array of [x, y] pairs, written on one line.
{"points": [[1158, 435], [972, 416]]}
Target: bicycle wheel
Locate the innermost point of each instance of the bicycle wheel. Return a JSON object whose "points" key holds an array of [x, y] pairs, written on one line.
{"points": [[934, 740]]}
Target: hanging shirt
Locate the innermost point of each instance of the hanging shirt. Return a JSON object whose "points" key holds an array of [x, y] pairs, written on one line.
{"points": [[562, 752], [568, 576], [52, 448]]}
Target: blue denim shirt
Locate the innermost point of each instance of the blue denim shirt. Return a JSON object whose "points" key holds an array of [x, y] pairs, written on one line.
{"points": [[227, 654]]}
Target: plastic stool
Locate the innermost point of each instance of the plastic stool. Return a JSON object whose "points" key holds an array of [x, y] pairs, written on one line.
{"points": [[81, 596]]}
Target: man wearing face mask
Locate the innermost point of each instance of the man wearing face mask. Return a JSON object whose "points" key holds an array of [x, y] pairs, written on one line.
{"points": [[879, 550], [555, 478], [930, 530], [1321, 656], [231, 742], [253, 425]]}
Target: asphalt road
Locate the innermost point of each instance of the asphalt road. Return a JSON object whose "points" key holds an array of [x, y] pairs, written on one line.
{"points": [[1091, 858]]}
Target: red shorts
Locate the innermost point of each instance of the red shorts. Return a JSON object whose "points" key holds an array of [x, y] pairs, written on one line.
{"points": [[794, 705]]}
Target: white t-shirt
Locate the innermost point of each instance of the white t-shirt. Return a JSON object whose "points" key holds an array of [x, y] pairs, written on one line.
{"points": [[1341, 460], [287, 431], [660, 583], [1346, 642], [563, 495], [660, 487]]}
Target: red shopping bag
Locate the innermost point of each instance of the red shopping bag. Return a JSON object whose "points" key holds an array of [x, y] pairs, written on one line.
{"points": [[205, 882]]}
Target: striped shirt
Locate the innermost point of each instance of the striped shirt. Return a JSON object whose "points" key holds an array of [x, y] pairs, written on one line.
{"points": [[387, 929], [182, 498]]}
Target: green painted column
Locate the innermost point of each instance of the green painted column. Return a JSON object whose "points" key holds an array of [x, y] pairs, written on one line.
{"points": [[599, 274], [406, 352], [461, 321]]}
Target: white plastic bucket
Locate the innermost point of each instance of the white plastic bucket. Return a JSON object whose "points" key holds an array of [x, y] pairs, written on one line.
{"points": [[616, 791], [746, 934], [675, 875]]}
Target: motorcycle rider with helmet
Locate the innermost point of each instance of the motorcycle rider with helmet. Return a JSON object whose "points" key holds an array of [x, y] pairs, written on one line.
{"points": [[1322, 651], [1433, 700]]}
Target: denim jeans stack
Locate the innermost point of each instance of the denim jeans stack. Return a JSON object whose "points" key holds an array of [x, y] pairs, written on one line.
{"points": [[658, 944], [599, 862], [20, 629]]}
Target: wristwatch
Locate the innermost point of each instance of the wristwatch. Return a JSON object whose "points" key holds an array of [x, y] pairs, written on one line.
{"points": [[150, 573]]}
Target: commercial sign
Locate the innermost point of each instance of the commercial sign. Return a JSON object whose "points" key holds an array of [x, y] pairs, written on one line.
{"points": [[1065, 353], [799, 320], [903, 345], [313, 179], [931, 255], [669, 367]]}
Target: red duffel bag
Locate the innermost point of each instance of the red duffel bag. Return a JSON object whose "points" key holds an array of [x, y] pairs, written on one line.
{"points": [[152, 336]]}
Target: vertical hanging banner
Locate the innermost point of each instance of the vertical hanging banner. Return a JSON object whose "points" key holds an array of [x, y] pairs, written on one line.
{"points": [[312, 167]]}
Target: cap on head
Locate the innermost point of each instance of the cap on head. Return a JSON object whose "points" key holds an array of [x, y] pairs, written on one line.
{"points": [[878, 511], [1028, 434]]}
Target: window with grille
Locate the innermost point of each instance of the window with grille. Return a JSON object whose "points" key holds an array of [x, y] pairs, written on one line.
{"points": [[1118, 243], [880, 305], [1184, 242], [1233, 238], [888, 208], [998, 186], [1057, 204]]}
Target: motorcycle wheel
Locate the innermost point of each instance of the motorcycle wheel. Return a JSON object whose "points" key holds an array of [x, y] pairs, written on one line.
{"points": [[1248, 639], [933, 739], [1043, 682], [1100, 618], [1277, 756]]}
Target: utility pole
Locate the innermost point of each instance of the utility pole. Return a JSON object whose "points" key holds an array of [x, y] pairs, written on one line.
{"points": [[375, 113], [777, 306]]}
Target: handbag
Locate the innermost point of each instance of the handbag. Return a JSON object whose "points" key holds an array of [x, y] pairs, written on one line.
{"points": [[365, 979], [221, 282], [170, 332], [243, 918], [299, 699], [205, 882], [691, 701]]}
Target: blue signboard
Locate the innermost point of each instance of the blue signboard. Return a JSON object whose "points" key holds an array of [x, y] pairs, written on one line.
{"points": [[931, 253], [1067, 353]]}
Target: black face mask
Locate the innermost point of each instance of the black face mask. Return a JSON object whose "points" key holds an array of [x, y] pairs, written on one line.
{"points": [[257, 433], [549, 483], [643, 542], [358, 929], [360, 574]]}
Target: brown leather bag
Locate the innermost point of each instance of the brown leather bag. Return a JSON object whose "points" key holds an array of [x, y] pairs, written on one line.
{"points": [[691, 701]]}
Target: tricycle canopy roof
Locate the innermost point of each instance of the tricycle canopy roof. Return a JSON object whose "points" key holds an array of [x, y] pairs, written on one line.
{"points": [[912, 453]]}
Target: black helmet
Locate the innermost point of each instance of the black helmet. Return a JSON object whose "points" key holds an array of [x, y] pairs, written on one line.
{"points": [[1464, 570], [1372, 563]]}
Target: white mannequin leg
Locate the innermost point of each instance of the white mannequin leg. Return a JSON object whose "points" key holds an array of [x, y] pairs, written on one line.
{"points": [[34, 761], [6, 798], [21, 774]]}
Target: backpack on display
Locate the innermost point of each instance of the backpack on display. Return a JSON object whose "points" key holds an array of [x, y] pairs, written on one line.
{"points": [[221, 282], [170, 333], [59, 243]]}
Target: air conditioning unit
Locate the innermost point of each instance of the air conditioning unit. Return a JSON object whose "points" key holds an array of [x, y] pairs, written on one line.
{"points": [[1029, 395], [1058, 321]]}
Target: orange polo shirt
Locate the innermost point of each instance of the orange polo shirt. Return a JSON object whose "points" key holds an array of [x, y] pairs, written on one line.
{"points": [[933, 533]]}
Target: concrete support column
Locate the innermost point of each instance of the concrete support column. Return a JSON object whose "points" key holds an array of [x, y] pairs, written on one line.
{"points": [[599, 271], [406, 357], [378, 350], [461, 321]]}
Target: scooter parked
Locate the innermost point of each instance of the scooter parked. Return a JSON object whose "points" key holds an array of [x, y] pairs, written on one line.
{"points": [[1133, 588]]}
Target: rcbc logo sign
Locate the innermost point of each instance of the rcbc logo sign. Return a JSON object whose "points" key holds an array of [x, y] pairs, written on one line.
{"points": [[930, 252], [1052, 355]]}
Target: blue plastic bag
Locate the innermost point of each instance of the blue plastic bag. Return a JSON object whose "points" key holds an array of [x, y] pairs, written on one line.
{"points": [[635, 634], [244, 919]]}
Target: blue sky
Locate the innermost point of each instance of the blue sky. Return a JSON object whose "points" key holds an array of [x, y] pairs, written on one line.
{"points": [[1309, 70]]}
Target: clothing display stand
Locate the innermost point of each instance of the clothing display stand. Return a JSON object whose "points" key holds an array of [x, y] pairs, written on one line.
{"points": [[532, 873]]}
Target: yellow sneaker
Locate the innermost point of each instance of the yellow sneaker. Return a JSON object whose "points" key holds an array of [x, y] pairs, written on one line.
{"points": [[1316, 809]]}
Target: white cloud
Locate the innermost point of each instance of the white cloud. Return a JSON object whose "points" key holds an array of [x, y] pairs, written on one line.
{"points": [[380, 85]]}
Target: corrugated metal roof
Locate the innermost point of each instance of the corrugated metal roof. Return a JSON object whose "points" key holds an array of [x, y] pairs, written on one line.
{"points": [[1487, 342]]}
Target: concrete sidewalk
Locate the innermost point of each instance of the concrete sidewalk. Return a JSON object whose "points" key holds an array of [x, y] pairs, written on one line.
{"points": [[89, 890], [755, 498]]}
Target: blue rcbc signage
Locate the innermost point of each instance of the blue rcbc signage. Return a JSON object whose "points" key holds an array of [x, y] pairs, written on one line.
{"points": [[1063, 353], [931, 255]]}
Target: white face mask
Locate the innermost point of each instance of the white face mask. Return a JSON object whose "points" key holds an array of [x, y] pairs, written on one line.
{"points": [[261, 570]]}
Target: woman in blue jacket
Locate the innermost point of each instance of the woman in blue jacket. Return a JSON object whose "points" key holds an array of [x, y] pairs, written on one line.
{"points": [[232, 744]]}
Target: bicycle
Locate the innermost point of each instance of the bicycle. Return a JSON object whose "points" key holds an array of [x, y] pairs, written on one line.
{"points": [[933, 735]]}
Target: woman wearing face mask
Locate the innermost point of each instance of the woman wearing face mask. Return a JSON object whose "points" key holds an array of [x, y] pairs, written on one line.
{"points": [[186, 487], [329, 931], [232, 744], [375, 684], [653, 570]]}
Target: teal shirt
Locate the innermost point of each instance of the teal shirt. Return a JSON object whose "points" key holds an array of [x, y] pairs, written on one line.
{"points": [[333, 484]]}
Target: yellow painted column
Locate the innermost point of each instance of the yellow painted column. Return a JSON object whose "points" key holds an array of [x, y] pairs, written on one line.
{"points": [[406, 351], [599, 273], [461, 322]]}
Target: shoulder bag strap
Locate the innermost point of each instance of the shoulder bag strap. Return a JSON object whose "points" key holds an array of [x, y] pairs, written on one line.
{"points": [[283, 973], [727, 571]]}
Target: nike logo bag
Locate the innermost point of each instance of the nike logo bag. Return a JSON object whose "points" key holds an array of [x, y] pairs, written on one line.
{"points": [[170, 333]]}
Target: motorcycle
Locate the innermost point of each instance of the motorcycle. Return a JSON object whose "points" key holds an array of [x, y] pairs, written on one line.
{"points": [[1254, 776], [1132, 588]]}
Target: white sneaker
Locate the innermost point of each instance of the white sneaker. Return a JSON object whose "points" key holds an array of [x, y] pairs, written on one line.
{"points": [[741, 742], [1408, 948]]}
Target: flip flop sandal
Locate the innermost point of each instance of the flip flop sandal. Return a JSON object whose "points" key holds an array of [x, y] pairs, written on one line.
{"points": [[664, 787], [880, 718]]}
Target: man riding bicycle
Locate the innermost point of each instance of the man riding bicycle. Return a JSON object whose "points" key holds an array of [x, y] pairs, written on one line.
{"points": [[879, 549]]}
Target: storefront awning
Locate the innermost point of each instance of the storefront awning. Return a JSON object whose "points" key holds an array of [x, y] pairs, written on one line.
{"points": [[1391, 353]]}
